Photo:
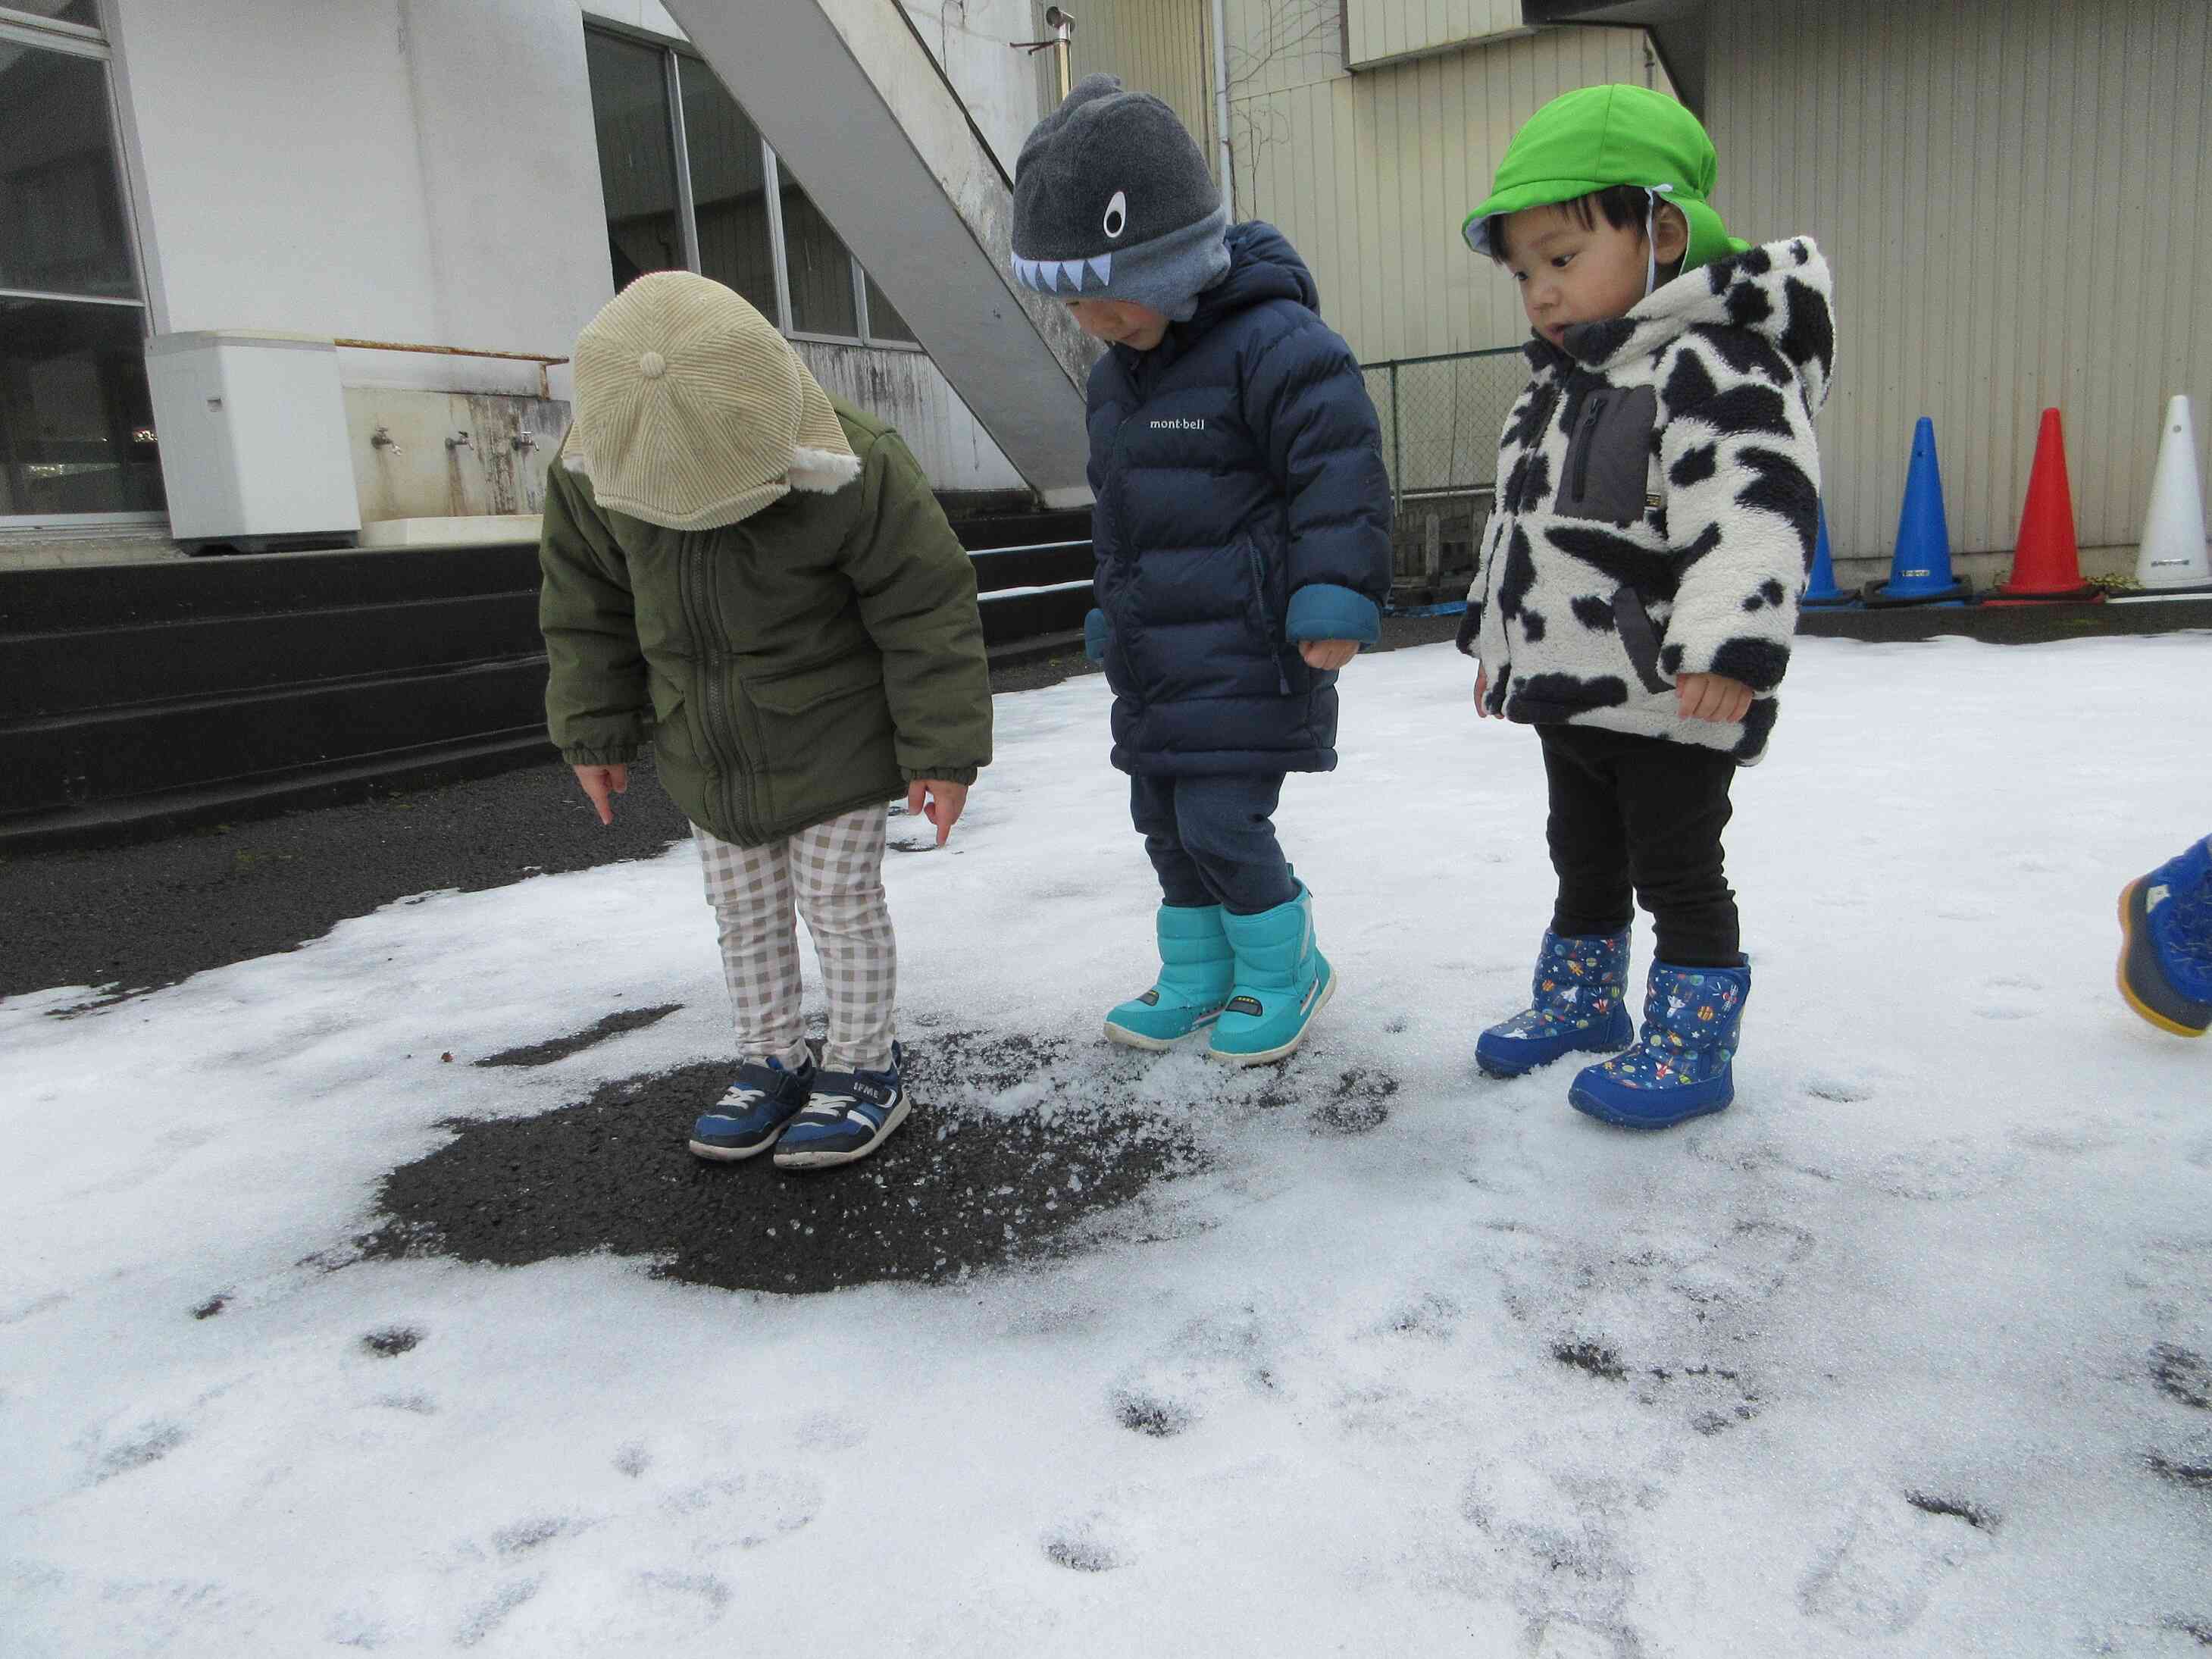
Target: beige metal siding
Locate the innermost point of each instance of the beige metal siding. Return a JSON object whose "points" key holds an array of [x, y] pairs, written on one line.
{"points": [[1370, 175], [1376, 29], [1159, 46], [2013, 195]]}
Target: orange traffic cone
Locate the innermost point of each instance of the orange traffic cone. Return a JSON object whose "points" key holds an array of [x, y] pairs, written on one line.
{"points": [[2046, 564]]}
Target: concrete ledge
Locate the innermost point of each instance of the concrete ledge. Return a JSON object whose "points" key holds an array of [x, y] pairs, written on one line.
{"points": [[2009, 624], [488, 530]]}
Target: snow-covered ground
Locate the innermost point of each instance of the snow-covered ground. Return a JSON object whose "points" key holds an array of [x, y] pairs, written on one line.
{"points": [[1902, 1354]]}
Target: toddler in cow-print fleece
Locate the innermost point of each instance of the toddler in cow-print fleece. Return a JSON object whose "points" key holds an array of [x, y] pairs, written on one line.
{"points": [[1658, 493]]}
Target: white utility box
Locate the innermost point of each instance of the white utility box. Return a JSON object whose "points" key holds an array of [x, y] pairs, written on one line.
{"points": [[253, 437]]}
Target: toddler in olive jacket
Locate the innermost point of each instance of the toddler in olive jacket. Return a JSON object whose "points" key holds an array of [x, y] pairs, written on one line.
{"points": [[760, 583]]}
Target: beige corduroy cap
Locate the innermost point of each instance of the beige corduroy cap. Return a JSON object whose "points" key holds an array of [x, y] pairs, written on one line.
{"points": [[692, 412]]}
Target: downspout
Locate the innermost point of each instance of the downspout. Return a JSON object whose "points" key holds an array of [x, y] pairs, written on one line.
{"points": [[1221, 107]]}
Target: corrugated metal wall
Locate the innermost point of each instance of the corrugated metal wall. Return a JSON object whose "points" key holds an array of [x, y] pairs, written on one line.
{"points": [[1370, 175], [2013, 195], [1392, 28], [1161, 46]]}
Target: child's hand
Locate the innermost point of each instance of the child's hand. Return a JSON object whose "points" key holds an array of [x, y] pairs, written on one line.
{"points": [[1482, 693], [600, 782], [945, 804], [1711, 697], [1327, 654]]}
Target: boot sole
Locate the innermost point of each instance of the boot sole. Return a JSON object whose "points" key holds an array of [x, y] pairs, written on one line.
{"points": [[831, 1160], [2134, 945], [1590, 1106], [1268, 1056]]}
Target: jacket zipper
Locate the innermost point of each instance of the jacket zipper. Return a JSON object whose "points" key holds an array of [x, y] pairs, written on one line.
{"points": [[1260, 588], [723, 749], [1585, 440]]}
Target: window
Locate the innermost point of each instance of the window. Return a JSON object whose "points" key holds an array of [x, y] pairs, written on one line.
{"points": [[690, 184], [76, 429]]}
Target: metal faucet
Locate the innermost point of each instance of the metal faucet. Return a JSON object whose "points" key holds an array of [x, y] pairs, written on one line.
{"points": [[381, 439], [459, 440]]}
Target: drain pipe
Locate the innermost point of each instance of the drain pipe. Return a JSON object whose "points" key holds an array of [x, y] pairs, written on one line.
{"points": [[1221, 107]]}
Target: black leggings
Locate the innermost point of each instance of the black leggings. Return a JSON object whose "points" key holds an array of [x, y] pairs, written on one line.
{"points": [[1640, 819]]}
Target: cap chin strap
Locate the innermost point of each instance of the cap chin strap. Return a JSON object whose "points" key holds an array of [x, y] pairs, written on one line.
{"points": [[1652, 193]]}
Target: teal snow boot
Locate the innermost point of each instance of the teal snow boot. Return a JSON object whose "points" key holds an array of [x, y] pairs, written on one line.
{"points": [[1196, 968], [1282, 982], [1579, 1002], [1683, 1064]]}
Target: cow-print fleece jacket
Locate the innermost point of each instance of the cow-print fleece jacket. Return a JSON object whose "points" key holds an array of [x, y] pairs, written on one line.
{"points": [[1658, 498]]}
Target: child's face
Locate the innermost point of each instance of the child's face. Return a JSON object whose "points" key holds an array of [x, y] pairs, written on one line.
{"points": [[1572, 273], [1120, 322]]}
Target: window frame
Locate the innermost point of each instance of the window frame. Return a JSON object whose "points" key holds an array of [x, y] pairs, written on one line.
{"points": [[83, 41], [672, 51]]}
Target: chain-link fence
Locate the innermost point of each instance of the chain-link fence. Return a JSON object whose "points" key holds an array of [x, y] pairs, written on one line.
{"points": [[1441, 420]]}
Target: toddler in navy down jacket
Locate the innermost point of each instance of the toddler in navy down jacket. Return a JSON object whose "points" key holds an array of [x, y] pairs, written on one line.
{"points": [[1243, 532]]}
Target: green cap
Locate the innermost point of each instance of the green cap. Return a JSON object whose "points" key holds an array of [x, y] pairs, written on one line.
{"points": [[1586, 141]]}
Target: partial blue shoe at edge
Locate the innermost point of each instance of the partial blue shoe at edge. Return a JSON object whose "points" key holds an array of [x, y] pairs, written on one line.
{"points": [[2166, 954], [1197, 968], [1578, 1004], [1282, 981], [1681, 1066], [746, 1121], [851, 1115]]}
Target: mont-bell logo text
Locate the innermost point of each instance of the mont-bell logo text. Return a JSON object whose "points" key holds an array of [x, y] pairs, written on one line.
{"points": [[1180, 423]]}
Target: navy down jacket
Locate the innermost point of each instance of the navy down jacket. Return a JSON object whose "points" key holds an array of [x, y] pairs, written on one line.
{"points": [[1242, 506]]}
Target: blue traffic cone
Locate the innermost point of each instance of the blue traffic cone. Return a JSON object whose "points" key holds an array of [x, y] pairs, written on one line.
{"points": [[1920, 570], [1821, 589]]}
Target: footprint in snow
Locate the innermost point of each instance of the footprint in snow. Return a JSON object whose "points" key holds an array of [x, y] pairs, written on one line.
{"points": [[148, 1443], [484, 1619], [1873, 1576], [1083, 1546]]}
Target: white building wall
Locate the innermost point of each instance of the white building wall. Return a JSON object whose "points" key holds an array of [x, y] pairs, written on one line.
{"points": [[425, 171], [1005, 91]]}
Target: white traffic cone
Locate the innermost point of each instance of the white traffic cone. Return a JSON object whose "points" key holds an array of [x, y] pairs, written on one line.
{"points": [[2173, 558]]}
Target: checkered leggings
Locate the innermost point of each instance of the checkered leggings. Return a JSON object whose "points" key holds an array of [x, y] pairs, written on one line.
{"points": [[835, 871]]}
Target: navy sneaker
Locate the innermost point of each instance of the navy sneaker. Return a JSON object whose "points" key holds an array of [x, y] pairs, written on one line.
{"points": [[746, 1121], [851, 1115]]}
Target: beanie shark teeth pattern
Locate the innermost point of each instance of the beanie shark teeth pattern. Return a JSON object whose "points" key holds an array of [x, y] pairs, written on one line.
{"points": [[1113, 201]]}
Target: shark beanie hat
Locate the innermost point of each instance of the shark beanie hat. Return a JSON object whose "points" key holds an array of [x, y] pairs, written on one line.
{"points": [[1112, 201], [693, 412]]}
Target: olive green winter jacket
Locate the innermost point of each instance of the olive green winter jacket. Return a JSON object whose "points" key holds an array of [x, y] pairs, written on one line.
{"points": [[816, 657]]}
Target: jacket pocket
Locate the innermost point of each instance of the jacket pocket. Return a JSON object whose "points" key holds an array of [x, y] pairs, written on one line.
{"points": [[1608, 465], [1263, 619], [1640, 639]]}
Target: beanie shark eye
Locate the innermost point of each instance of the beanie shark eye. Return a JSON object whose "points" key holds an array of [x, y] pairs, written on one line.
{"points": [[1117, 214]]}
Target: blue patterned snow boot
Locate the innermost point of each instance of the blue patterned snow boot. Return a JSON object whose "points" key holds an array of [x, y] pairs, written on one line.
{"points": [[747, 1119], [2165, 950], [1580, 1003], [1196, 970], [851, 1115], [1282, 982], [1680, 1067]]}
